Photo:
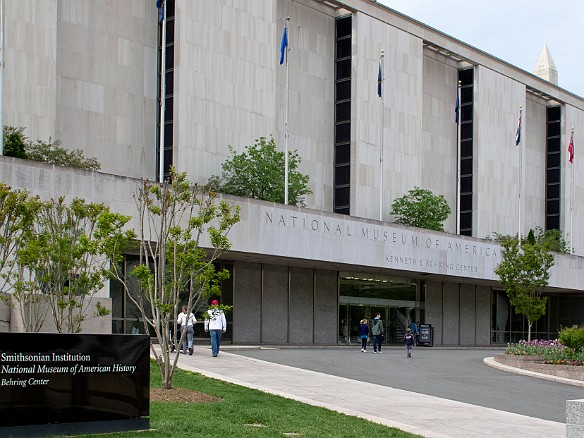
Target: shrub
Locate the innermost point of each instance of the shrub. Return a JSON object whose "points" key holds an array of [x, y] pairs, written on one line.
{"points": [[572, 337]]}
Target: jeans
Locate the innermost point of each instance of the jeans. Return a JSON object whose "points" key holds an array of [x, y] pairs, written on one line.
{"points": [[377, 339], [188, 340], [215, 341]]}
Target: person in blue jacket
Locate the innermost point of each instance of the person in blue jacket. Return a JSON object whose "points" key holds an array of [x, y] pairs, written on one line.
{"points": [[409, 342], [364, 335]]}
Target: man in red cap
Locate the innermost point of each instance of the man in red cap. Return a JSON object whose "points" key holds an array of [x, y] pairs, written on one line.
{"points": [[216, 324]]}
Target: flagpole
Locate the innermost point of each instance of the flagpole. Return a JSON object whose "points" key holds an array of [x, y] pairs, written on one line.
{"points": [[286, 118], [162, 96], [458, 153], [382, 67], [2, 76], [572, 193], [518, 141]]}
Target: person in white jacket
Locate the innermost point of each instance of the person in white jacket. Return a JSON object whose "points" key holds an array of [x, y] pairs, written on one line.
{"points": [[187, 321], [216, 324]]}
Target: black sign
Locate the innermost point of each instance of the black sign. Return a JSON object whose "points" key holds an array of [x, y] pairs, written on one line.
{"points": [[425, 336], [64, 378]]}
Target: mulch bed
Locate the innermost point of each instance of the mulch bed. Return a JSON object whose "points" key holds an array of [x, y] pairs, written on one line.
{"points": [[180, 395]]}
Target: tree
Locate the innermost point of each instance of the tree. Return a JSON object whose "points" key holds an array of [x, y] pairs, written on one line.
{"points": [[524, 273], [67, 257], [17, 212], [421, 208], [183, 230], [259, 173], [51, 152], [14, 142]]}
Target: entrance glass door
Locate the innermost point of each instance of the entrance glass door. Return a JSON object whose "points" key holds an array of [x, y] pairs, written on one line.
{"points": [[363, 296]]}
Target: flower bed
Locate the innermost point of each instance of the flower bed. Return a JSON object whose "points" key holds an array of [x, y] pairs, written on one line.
{"points": [[536, 364], [543, 356], [552, 352]]}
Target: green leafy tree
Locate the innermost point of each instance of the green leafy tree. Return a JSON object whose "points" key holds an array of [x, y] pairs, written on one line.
{"points": [[182, 231], [67, 257], [259, 173], [552, 240], [524, 273], [17, 213], [51, 152], [14, 142], [421, 208], [572, 337]]}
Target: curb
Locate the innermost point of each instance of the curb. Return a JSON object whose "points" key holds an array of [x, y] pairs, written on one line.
{"points": [[490, 361]]}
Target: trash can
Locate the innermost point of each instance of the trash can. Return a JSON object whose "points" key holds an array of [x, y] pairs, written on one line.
{"points": [[426, 336]]}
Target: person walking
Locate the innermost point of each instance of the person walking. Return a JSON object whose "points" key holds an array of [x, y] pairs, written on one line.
{"points": [[415, 331], [364, 335], [409, 340], [377, 332], [216, 325], [187, 320]]}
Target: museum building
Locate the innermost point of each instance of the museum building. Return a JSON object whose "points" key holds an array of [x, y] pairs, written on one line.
{"points": [[142, 89]]}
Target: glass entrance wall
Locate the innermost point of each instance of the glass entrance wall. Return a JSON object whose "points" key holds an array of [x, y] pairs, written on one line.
{"points": [[361, 296], [508, 326]]}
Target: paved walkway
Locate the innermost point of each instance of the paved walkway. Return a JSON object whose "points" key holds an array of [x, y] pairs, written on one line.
{"points": [[425, 415]]}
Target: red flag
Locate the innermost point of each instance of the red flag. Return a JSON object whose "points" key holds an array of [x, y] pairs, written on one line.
{"points": [[571, 148]]}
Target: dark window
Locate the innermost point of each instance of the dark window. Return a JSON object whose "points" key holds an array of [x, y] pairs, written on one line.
{"points": [[343, 90], [342, 175], [169, 82], [466, 184], [553, 160], [553, 167], [344, 48], [466, 149], [344, 69], [554, 144], [466, 203], [553, 129], [553, 175], [342, 196], [167, 141], [344, 27], [552, 222], [466, 94], [168, 109], [466, 78], [466, 167], [342, 157], [465, 130], [343, 132], [466, 112], [553, 191], [168, 135], [343, 153], [343, 111], [553, 206]]}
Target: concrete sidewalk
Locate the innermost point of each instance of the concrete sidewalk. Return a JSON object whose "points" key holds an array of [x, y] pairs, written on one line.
{"points": [[425, 415]]}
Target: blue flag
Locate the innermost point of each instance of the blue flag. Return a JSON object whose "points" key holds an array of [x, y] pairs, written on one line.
{"points": [[284, 45], [518, 133], [379, 80], [160, 10], [457, 108]]}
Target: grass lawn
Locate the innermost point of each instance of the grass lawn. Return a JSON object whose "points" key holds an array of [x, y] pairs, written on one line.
{"points": [[244, 412]]}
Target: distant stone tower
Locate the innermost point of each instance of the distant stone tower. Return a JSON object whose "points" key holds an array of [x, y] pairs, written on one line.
{"points": [[545, 67]]}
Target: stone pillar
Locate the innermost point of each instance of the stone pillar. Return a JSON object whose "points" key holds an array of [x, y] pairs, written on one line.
{"points": [[575, 418]]}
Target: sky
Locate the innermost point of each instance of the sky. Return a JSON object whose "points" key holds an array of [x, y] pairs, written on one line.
{"points": [[512, 30]]}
